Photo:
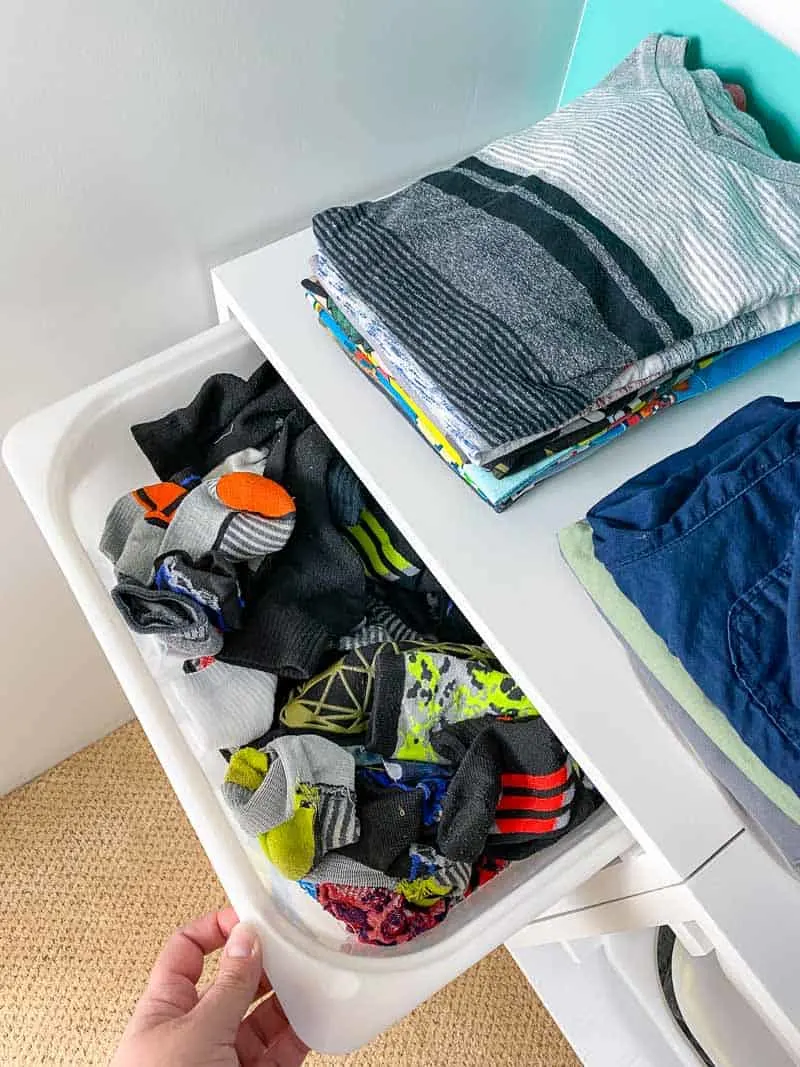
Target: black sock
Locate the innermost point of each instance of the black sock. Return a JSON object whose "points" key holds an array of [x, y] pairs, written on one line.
{"points": [[391, 821], [513, 791], [314, 589], [227, 414]]}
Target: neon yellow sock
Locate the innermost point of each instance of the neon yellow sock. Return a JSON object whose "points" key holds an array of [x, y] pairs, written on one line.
{"points": [[424, 892], [292, 845], [248, 768]]}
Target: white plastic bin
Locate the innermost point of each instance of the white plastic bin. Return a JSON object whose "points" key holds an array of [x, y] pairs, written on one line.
{"points": [[71, 461]]}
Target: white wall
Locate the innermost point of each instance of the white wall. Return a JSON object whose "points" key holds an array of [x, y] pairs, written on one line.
{"points": [[781, 18], [144, 141]]}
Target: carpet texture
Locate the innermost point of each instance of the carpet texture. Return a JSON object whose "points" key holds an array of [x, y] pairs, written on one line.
{"points": [[98, 865]]}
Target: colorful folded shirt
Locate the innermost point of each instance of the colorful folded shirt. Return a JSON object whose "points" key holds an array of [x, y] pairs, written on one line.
{"points": [[363, 327], [601, 426]]}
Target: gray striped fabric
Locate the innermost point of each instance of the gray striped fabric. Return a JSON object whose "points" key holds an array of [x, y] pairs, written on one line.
{"points": [[363, 635], [203, 524], [341, 870], [380, 624], [252, 536], [381, 615], [195, 526], [336, 824], [717, 215], [450, 873], [649, 218]]}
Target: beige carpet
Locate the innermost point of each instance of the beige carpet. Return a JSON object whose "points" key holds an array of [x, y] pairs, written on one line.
{"points": [[98, 864]]}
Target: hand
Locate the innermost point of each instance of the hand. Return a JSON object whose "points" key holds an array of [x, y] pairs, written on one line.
{"points": [[173, 1027]]}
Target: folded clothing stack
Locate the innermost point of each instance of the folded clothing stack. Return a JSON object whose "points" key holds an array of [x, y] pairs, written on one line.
{"points": [[378, 752], [720, 658], [534, 301]]}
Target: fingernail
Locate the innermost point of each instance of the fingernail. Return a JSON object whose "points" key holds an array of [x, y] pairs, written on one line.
{"points": [[243, 942]]}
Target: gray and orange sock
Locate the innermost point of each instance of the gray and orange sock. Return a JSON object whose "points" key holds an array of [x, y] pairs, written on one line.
{"points": [[135, 528], [241, 515]]}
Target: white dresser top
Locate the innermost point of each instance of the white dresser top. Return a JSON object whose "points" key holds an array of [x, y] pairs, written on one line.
{"points": [[505, 571]]}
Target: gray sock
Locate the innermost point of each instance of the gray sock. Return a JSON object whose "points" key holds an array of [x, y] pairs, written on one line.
{"points": [[424, 864], [130, 539], [293, 760], [341, 870], [182, 625], [298, 796], [243, 516]]}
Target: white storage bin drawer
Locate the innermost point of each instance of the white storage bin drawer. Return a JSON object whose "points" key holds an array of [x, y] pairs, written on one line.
{"points": [[71, 462]]}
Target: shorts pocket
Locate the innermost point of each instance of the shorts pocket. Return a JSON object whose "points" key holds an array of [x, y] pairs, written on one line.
{"points": [[765, 646]]}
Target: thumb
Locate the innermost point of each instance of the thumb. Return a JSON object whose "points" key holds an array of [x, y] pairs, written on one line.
{"points": [[226, 1002]]}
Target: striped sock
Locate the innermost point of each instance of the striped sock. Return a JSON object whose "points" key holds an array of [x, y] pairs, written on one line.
{"points": [[384, 551], [513, 792], [380, 623], [243, 516], [297, 796], [534, 804]]}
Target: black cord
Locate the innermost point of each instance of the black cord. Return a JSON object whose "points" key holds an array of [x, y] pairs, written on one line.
{"points": [[665, 946]]}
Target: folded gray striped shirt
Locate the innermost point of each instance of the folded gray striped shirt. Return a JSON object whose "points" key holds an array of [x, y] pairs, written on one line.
{"points": [[647, 218]]}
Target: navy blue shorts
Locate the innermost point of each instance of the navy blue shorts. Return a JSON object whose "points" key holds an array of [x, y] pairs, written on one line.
{"points": [[706, 544]]}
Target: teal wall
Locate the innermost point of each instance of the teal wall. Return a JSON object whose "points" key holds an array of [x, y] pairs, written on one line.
{"points": [[721, 39]]}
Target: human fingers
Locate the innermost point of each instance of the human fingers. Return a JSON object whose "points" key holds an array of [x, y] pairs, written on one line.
{"points": [[263, 988], [266, 1037], [171, 990], [226, 1001], [227, 919]]}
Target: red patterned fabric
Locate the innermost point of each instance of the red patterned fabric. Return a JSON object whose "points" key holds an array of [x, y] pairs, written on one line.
{"points": [[378, 916]]}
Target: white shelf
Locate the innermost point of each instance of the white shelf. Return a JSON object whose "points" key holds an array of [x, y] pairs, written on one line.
{"points": [[505, 570]]}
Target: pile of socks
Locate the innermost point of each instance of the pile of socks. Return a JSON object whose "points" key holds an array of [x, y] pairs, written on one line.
{"points": [[183, 556], [402, 778], [258, 558], [378, 753]]}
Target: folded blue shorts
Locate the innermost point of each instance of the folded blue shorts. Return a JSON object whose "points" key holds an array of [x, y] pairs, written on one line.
{"points": [[706, 543]]}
